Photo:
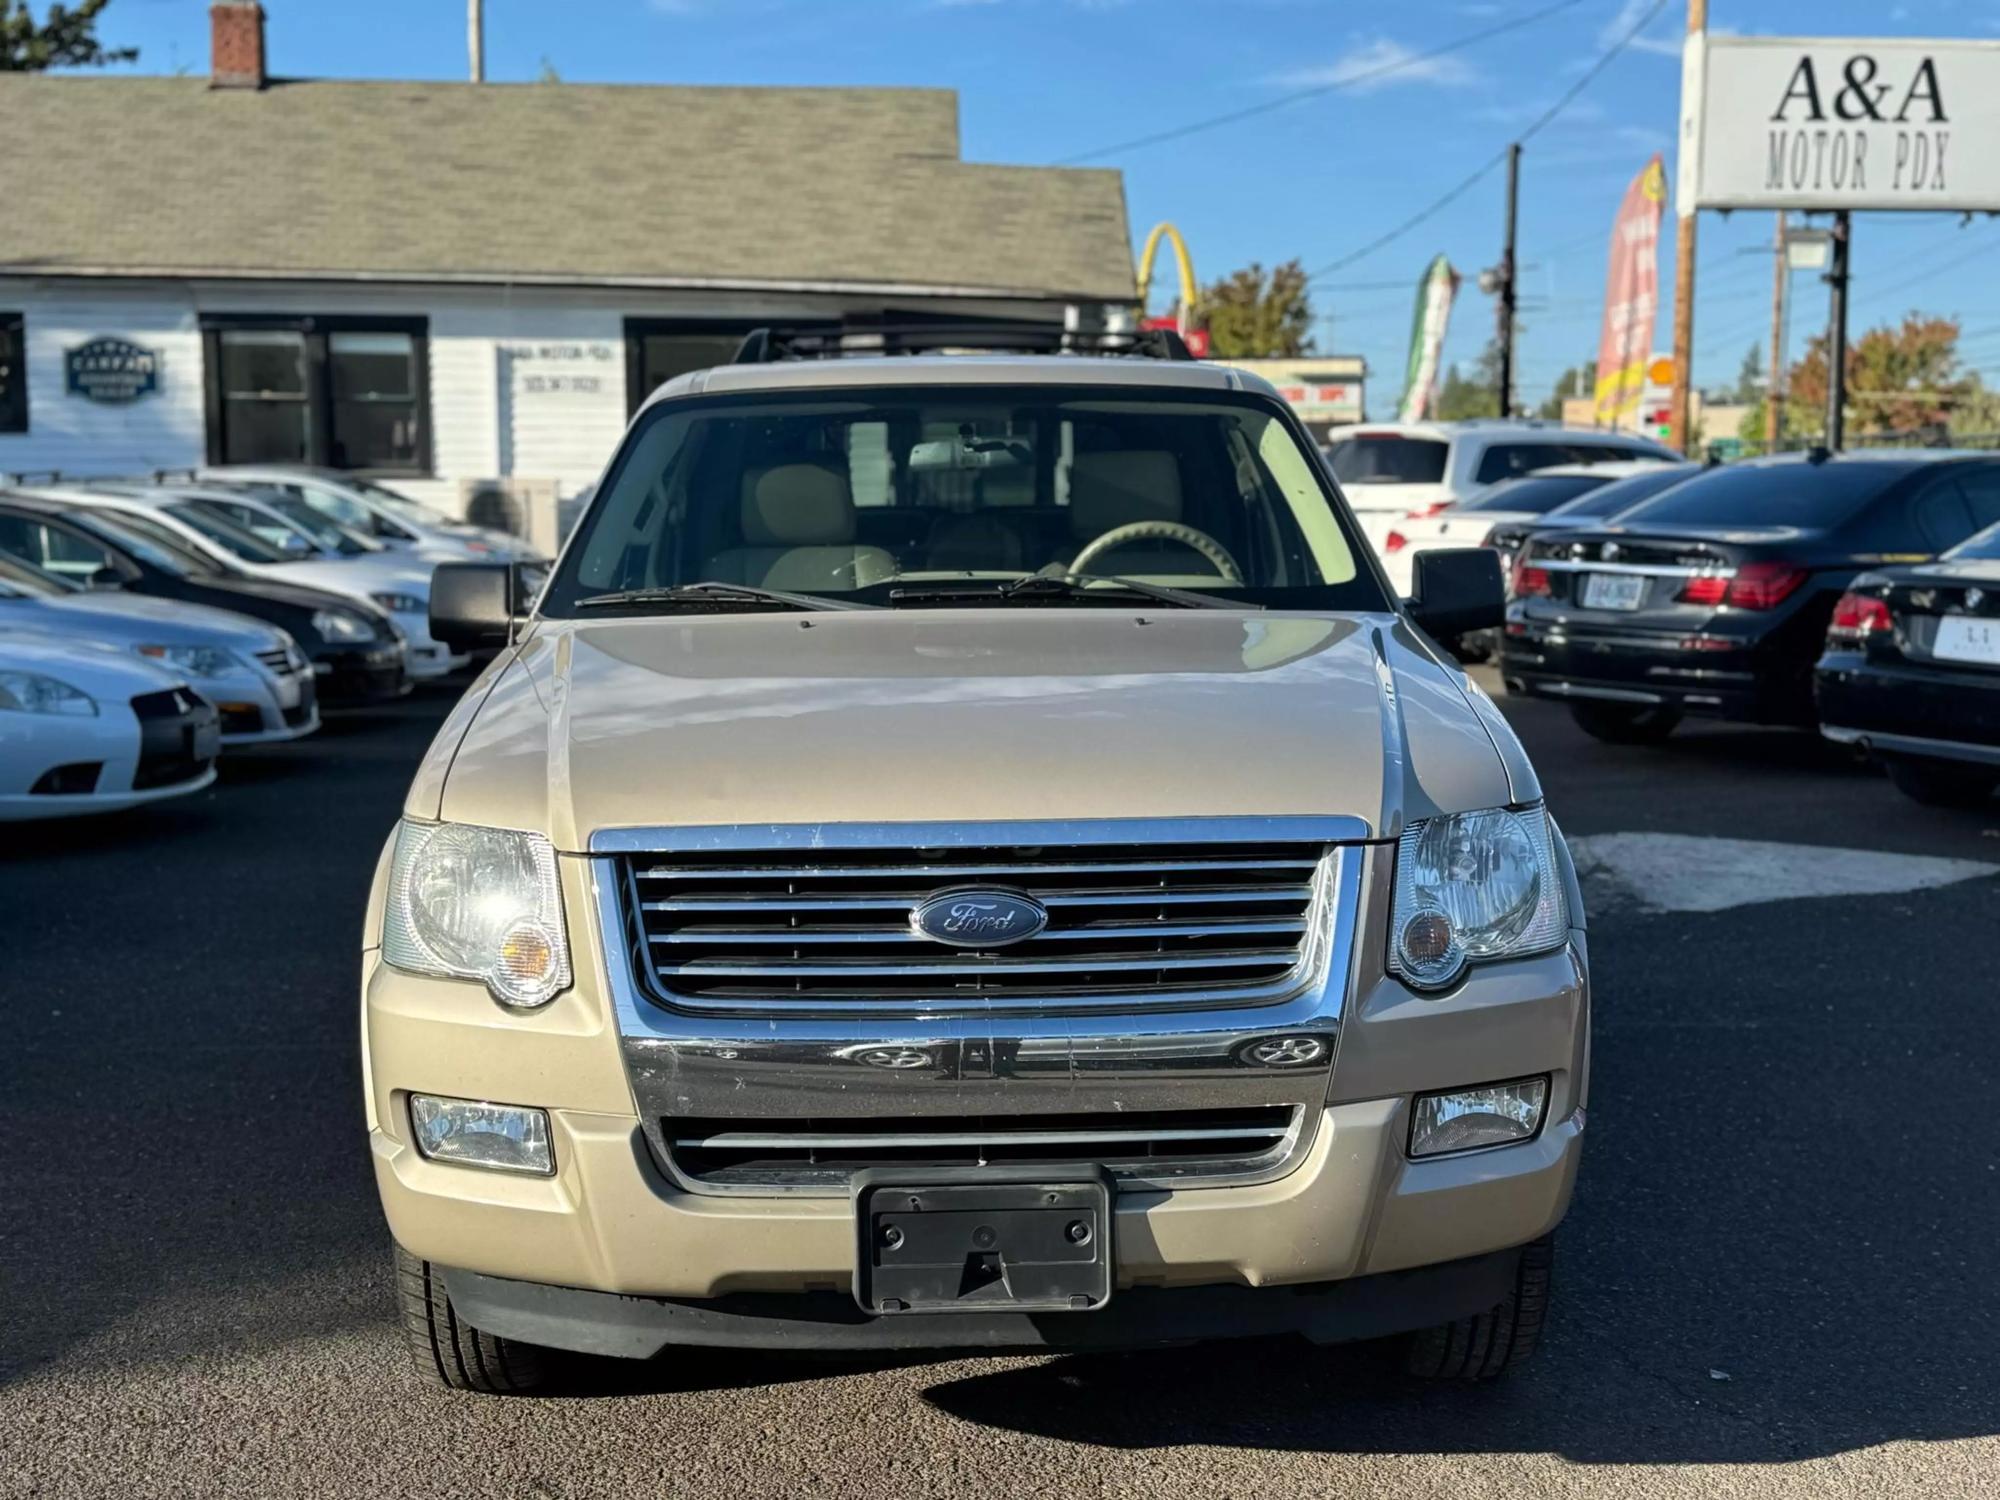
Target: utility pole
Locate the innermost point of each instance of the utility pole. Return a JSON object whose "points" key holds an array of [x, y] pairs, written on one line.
{"points": [[1836, 337], [1772, 391], [1507, 299], [475, 39], [1684, 250]]}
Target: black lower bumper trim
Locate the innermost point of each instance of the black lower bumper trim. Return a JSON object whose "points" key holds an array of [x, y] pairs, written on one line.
{"points": [[1329, 1312]]}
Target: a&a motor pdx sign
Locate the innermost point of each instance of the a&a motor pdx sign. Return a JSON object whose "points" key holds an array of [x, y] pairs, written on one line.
{"points": [[1821, 123], [114, 371]]}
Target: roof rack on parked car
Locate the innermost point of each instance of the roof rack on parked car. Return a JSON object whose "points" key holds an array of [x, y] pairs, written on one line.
{"points": [[769, 345], [31, 476]]}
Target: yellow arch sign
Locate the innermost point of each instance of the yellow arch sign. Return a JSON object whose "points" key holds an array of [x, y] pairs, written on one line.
{"points": [[1145, 271]]}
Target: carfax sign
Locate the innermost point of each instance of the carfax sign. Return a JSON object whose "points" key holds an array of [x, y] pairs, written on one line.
{"points": [[1821, 123], [114, 371]]}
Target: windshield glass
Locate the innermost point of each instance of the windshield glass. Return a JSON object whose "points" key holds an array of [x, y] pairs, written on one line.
{"points": [[1623, 494], [1782, 494], [877, 495], [1532, 497], [327, 533], [401, 504], [231, 538], [1388, 458], [1981, 546]]}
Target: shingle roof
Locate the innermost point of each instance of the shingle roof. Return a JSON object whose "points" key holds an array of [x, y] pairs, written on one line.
{"points": [[553, 182]]}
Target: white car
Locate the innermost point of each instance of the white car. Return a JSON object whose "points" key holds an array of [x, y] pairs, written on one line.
{"points": [[259, 681], [389, 581], [1392, 471], [87, 729], [1470, 522], [377, 511]]}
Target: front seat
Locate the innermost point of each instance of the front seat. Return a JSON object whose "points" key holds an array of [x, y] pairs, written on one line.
{"points": [[798, 534], [1109, 490]]}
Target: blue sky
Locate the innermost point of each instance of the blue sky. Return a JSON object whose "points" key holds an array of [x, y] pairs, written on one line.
{"points": [[1049, 80]]}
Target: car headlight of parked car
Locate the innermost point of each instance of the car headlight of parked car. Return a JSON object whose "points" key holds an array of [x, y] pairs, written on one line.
{"points": [[32, 693], [196, 661], [477, 903], [402, 604], [1473, 887], [337, 625]]}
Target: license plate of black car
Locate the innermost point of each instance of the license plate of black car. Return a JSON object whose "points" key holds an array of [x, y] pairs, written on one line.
{"points": [[1613, 590], [929, 1244]]}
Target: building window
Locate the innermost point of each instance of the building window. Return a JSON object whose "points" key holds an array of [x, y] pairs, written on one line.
{"points": [[347, 393], [13, 373]]}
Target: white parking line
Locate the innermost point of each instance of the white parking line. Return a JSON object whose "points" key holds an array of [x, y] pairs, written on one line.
{"points": [[1681, 872]]}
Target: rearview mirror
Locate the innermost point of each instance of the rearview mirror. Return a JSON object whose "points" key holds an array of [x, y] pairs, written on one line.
{"points": [[1458, 590], [472, 604]]}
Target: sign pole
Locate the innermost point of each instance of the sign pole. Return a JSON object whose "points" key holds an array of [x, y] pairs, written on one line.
{"points": [[1684, 252], [1507, 300], [1773, 379], [475, 39], [1836, 337]]}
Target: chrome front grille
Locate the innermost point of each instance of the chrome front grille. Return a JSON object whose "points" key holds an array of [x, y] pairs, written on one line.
{"points": [[280, 660], [1156, 1145], [1136, 927]]}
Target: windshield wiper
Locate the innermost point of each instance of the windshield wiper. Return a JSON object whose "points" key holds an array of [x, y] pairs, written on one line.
{"points": [[1038, 587], [713, 593]]}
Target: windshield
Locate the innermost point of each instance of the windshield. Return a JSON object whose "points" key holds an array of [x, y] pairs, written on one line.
{"points": [[1532, 497], [401, 504], [327, 533], [231, 538], [1981, 546], [1785, 494], [1388, 458], [886, 495], [1623, 494]]}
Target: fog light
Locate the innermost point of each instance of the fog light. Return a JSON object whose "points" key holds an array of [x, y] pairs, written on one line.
{"points": [[1499, 1114], [504, 1137]]}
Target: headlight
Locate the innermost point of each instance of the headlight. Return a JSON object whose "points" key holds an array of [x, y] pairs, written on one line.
{"points": [[401, 604], [477, 903], [196, 661], [1474, 886], [334, 625], [32, 693]]}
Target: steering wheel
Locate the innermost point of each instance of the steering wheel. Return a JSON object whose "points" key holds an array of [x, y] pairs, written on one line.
{"points": [[1159, 531]]}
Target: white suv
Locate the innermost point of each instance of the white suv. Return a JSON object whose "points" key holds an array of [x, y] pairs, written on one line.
{"points": [[1393, 471]]}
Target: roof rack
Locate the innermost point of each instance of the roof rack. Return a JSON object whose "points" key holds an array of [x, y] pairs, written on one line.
{"points": [[763, 346]]}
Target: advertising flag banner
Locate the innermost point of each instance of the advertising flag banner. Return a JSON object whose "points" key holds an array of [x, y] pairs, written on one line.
{"points": [[1631, 297], [1435, 292]]}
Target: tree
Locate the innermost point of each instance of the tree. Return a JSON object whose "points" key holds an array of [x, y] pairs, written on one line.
{"points": [[1750, 377], [1460, 397], [1250, 315], [1577, 380], [1901, 379], [67, 39]]}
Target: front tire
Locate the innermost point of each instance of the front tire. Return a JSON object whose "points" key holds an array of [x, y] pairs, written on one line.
{"points": [[1625, 723], [449, 1352], [1940, 783], [1487, 1345]]}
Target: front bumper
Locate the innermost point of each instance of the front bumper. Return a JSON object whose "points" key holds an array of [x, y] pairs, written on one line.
{"points": [[611, 1219], [369, 674]]}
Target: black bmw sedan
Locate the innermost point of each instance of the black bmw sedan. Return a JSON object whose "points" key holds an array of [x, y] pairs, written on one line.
{"points": [[1912, 672], [1715, 597], [357, 654]]}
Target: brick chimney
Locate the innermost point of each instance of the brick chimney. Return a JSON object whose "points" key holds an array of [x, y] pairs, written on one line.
{"points": [[236, 44]]}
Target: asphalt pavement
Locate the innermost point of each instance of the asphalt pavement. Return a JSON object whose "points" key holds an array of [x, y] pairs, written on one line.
{"points": [[1779, 1277]]}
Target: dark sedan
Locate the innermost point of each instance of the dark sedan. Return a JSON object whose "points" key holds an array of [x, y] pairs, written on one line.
{"points": [[1715, 597], [1603, 503], [1912, 672], [356, 652]]}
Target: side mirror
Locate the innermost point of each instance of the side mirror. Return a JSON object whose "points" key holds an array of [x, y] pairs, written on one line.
{"points": [[472, 604], [1458, 590], [105, 579]]}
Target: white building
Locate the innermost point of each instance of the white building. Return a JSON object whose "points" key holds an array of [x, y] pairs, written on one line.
{"points": [[442, 284]]}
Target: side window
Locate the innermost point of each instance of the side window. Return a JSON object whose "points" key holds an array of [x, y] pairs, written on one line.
{"points": [[1941, 514], [13, 373], [61, 552], [1981, 488]]}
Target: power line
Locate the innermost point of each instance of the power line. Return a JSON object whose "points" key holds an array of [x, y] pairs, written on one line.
{"points": [[1535, 127], [1346, 81]]}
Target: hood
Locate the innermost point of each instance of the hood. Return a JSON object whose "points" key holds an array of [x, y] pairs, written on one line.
{"points": [[960, 715], [104, 672], [135, 619]]}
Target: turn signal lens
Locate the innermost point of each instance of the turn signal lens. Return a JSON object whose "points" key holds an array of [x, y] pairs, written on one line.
{"points": [[1857, 616], [1530, 583], [1707, 588]]}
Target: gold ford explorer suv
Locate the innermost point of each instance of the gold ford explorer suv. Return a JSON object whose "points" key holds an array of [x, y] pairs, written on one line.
{"points": [[966, 852]]}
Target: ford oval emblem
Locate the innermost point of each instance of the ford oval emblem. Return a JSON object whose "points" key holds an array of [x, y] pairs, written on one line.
{"points": [[978, 919]]}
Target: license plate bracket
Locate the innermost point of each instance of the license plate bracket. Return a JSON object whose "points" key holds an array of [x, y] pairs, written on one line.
{"points": [[982, 1240], [1613, 590]]}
